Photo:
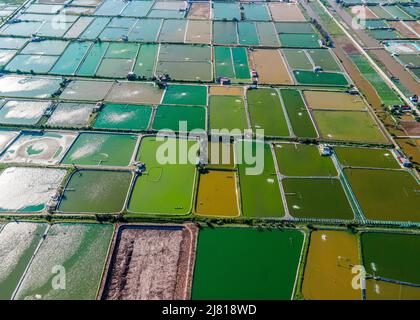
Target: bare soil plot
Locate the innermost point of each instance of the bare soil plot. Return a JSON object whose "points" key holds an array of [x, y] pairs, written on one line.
{"points": [[151, 263], [271, 67], [402, 29], [411, 127], [71, 115], [333, 100], [363, 12], [226, 91], [199, 10], [136, 93], [198, 31], [286, 12]]}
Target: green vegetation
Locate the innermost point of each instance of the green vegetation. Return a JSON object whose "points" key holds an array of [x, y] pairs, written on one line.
{"points": [[241, 263]]}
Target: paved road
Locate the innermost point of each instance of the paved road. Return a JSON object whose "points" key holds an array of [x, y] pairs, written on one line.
{"points": [[394, 68]]}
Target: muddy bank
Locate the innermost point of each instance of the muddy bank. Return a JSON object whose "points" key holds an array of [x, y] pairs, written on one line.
{"points": [[151, 263]]}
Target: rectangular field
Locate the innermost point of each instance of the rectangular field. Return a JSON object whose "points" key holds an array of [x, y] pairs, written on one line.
{"points": [[305, 77], [392, 256], [317, 198], [232, 63], [271, 67], [298, 114], [339, 125], [23, 112], [225, 32], [382, 290], [217, 194], [199, 10], [198, 31], [72, 115], [366, 157], [195, 95], [18, 242], [123, 117], [45, 148], [180, 118], [151, 263], [101, 149], [299, 40], [94, 191], [28, 86], [82, 252], [227, 112], [39, 186], [303, 160], [286, 12], [268, 260], [386, 195]]}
